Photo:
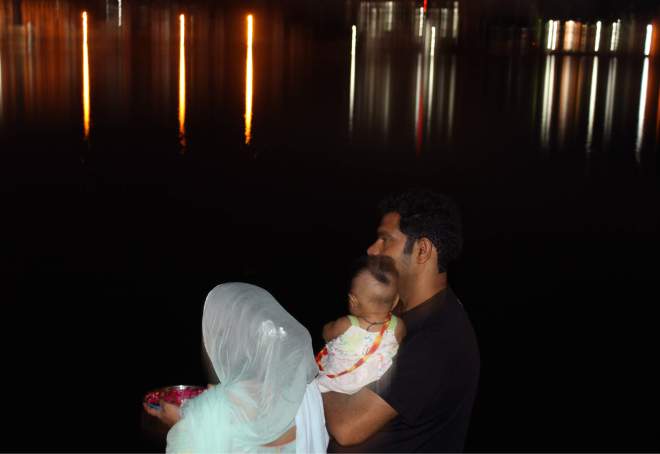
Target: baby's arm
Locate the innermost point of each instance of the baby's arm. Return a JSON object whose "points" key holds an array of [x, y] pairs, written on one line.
{"points": [[336, 328], [400, 331]]}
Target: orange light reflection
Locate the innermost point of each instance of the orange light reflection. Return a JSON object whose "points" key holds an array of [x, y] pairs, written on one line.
{"points": [[182, 81], [85, 69], [248, 82]]}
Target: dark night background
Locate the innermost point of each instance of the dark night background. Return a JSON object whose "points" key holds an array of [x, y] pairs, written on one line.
{"points": [[110, 243]]}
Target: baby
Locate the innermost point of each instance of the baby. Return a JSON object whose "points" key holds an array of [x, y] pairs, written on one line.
{"points": [[360, 347]]}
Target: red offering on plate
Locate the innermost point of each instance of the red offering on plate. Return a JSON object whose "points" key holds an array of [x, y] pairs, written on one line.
{"points": [[176, 395]]}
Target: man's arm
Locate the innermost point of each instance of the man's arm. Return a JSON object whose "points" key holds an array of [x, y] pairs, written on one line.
{"points": [[352, 419]]}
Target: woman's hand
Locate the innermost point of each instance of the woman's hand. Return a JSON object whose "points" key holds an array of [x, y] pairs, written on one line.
{"points": [[169, 414]]}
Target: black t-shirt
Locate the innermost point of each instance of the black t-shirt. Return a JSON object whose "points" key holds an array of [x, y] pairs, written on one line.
{"points": [[432, 382]]}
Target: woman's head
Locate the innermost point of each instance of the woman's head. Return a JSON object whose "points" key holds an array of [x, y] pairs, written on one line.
{"points": [[261, 355]]}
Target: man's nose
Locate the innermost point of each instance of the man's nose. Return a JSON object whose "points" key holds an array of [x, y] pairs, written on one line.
{"points": [[374, 249]]}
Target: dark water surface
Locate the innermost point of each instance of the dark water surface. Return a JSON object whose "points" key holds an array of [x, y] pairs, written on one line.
{"points": [[144, 166]]}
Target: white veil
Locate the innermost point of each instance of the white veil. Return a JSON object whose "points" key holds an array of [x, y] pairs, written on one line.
{"points": [[264, 360]]}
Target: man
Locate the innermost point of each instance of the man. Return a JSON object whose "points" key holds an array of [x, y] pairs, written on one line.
{"points": [[423, 403]]}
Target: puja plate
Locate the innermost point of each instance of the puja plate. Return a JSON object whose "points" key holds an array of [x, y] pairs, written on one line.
{"points": [[176, 395]]}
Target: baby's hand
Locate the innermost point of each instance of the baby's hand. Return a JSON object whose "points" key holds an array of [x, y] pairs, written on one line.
{"points": [[335, 329]]}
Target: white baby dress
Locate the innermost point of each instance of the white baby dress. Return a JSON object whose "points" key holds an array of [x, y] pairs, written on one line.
{"points": [[346, 350]]}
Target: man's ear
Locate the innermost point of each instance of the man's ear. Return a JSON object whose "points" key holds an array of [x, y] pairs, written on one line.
{"points": [[352, 300], [424, 250]]}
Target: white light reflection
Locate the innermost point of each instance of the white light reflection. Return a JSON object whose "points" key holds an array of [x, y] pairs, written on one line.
{"points": [[248, 83], [548, 94], [119, 13], [432, 41], [351, 92], [550, 28], [555, 34], [647, 42], [592, 103], [421, 20], [444, 22], [390, 15], [614, 37], [431, 84], [597, 40], [454, 25], [642, 109], [609, 100], [182, 81], [85, 93]]}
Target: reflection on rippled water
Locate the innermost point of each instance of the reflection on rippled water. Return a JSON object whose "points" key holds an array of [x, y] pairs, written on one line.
{"points": [[396, 73]]}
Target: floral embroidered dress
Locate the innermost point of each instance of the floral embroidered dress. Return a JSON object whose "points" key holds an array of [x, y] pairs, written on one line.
{"points": [[345, 351]]}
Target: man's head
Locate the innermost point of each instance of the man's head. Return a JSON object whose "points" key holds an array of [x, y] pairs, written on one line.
{"points": [[419, 227], [374, 287]]}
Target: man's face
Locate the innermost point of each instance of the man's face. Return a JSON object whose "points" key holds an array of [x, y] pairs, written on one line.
{"points": [[391, 242]]}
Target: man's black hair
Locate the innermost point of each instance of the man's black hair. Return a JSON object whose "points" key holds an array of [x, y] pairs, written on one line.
{"points": [[427, 214]]}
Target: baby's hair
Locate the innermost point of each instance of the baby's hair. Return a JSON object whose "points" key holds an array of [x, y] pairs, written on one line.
{"points": [[383, 270]]}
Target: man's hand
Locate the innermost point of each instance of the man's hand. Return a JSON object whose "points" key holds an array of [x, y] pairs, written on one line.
{"points": [[169, 414], [352, 419]]}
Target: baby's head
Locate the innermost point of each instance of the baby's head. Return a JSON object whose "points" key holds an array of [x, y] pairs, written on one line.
{"points": [[374, 287]]}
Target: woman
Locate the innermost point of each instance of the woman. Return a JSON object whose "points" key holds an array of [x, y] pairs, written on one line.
{"points": [[267, 399]]}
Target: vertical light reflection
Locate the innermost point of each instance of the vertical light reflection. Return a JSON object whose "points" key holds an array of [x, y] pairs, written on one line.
{"points": [[548, 94], [390, 15], [614, 38], [248, 82], [609, 100], [642, 109], [418, 105], [647, 42], [119, 13], [452, 89], [421, 20], [386, 97], [454, 25], [351, 92], [444, 22], [432, 41], [565, 95], [85, 69], [584, 32], [555, 34], [592, 103], [182, 81], [597, 40], [569, 36], [550, 29], [429, 104]]}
